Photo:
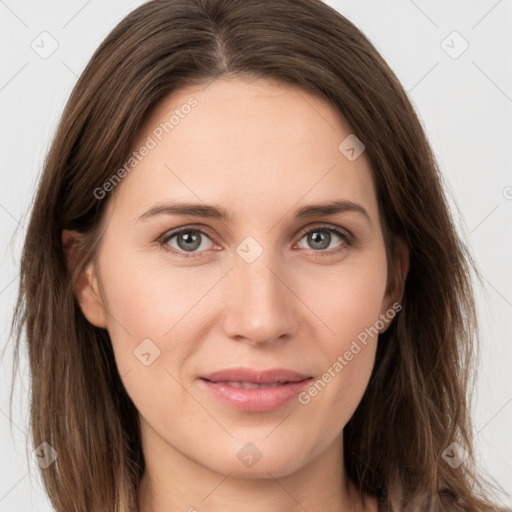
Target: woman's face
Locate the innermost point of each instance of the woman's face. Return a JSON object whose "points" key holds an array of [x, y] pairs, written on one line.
{"points": [[264, 288]]}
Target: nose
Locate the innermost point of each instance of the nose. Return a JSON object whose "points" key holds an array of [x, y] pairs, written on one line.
{"points": [[260, 305]]}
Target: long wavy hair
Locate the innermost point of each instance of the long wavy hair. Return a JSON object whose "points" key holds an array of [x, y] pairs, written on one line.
{"points": [[417, 402]]}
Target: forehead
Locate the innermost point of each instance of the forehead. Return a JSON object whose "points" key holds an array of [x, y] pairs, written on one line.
{"points": [[258, 147]]}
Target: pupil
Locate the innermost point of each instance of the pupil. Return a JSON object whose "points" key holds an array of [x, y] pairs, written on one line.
{"points": [[189, 237], [324, 237]]}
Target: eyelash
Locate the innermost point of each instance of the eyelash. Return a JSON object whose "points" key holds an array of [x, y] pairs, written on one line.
{"points": [[343, 234]]}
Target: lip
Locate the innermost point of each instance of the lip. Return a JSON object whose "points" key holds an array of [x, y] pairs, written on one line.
{"points": [[286, 384], [242, 374]]}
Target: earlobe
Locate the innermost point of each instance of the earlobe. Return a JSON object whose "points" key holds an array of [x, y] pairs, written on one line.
{"points": [[90, 299], [85, 287]]}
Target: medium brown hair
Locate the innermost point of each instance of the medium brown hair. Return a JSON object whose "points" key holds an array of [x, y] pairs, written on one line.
{"points": [[417, 400]]}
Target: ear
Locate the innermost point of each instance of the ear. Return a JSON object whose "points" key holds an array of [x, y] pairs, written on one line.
{"points": [[396, 286], [85, 287]]}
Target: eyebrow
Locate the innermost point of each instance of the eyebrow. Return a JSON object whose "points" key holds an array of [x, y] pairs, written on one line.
{"points": [[220, 213]]}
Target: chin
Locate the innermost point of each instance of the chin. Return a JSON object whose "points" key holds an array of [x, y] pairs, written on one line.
{"points": [[277, 464]]}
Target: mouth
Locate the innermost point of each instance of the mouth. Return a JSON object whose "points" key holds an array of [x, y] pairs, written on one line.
{"points": [[251, 375], [255, 391], [249, 385]]}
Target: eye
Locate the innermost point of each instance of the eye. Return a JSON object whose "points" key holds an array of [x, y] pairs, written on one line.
{"points": [[320, 238], [190, 242]]}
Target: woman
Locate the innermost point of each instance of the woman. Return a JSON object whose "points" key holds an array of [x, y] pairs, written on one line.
{"points": [[309, 350]]}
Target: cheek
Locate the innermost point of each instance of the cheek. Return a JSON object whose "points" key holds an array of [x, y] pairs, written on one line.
{"points": [[350, 305], [147, 304], [341, 389], [148, 297], [351, 300], [156, 322], [348, 360], [144, 302]]}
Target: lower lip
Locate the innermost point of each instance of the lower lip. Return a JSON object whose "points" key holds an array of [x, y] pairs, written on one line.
{"points": [[256, 400]]}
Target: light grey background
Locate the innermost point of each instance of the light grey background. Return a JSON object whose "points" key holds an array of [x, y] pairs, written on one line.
{"points": [[464, 101]]}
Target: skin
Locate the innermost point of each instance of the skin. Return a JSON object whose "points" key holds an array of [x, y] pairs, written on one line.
{"points": [[261, 150]]}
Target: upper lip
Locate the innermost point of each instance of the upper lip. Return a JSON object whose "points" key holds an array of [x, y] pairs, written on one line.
{"points": [[257, 376]]}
